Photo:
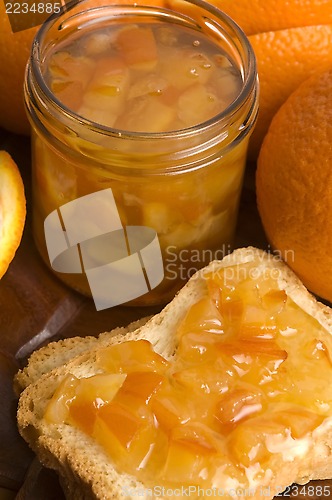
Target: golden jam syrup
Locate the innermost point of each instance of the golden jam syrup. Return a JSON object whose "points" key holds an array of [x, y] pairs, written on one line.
{"points": [[150, 78], [242, 393]]}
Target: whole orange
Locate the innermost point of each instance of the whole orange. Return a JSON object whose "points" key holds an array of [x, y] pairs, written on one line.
{"points": [[285, 59], [294, 182], [257, 16]]}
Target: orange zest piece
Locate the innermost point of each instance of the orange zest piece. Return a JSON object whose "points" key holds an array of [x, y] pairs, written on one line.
{"points": [[127, 358], [138, 46], [70, 93]]}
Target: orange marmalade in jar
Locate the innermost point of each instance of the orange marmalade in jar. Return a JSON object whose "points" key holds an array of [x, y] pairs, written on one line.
{"points": [[140, 119]]}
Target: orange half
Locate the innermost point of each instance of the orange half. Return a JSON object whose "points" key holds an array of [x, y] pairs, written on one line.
{"points": [[12, 210]]}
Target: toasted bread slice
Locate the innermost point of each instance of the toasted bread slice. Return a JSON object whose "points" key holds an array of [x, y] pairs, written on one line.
{"points": [[87, 469], [55, 354]]}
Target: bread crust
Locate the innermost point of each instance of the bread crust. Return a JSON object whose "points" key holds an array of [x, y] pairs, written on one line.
{"points": [[58, 353], [86, 469]]}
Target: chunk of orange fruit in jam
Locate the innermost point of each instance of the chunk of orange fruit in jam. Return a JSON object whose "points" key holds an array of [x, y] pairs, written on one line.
{"points": [[143, 78], [243, 388], [131, 356], [189, 451], [238, 405]]}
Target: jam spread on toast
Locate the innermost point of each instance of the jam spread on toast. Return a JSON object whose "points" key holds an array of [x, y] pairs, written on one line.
{"points": [[249, 382]]}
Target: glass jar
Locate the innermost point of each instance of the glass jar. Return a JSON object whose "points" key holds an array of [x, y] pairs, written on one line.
{"points": [[114, 208]]}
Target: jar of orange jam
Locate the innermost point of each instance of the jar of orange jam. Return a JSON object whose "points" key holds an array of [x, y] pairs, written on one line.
{"points": [[152, 106]]}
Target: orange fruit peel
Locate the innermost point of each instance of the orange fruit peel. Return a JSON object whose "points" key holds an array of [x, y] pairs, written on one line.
{"points": [[12, 210], [258, 16], [285, 59], [294, 182]]}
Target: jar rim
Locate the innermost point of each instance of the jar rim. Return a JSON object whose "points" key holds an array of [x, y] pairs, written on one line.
{"points": [[248, 83]]}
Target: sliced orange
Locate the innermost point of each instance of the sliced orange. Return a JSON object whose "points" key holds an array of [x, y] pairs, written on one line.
{"points": [[12, 210]]}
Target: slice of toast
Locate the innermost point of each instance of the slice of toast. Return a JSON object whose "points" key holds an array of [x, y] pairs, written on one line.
{"points": [[85, 467], [55, 354]]}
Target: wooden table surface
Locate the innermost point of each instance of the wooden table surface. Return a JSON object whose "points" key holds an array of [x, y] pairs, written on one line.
{"points": [[35, 308]]}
